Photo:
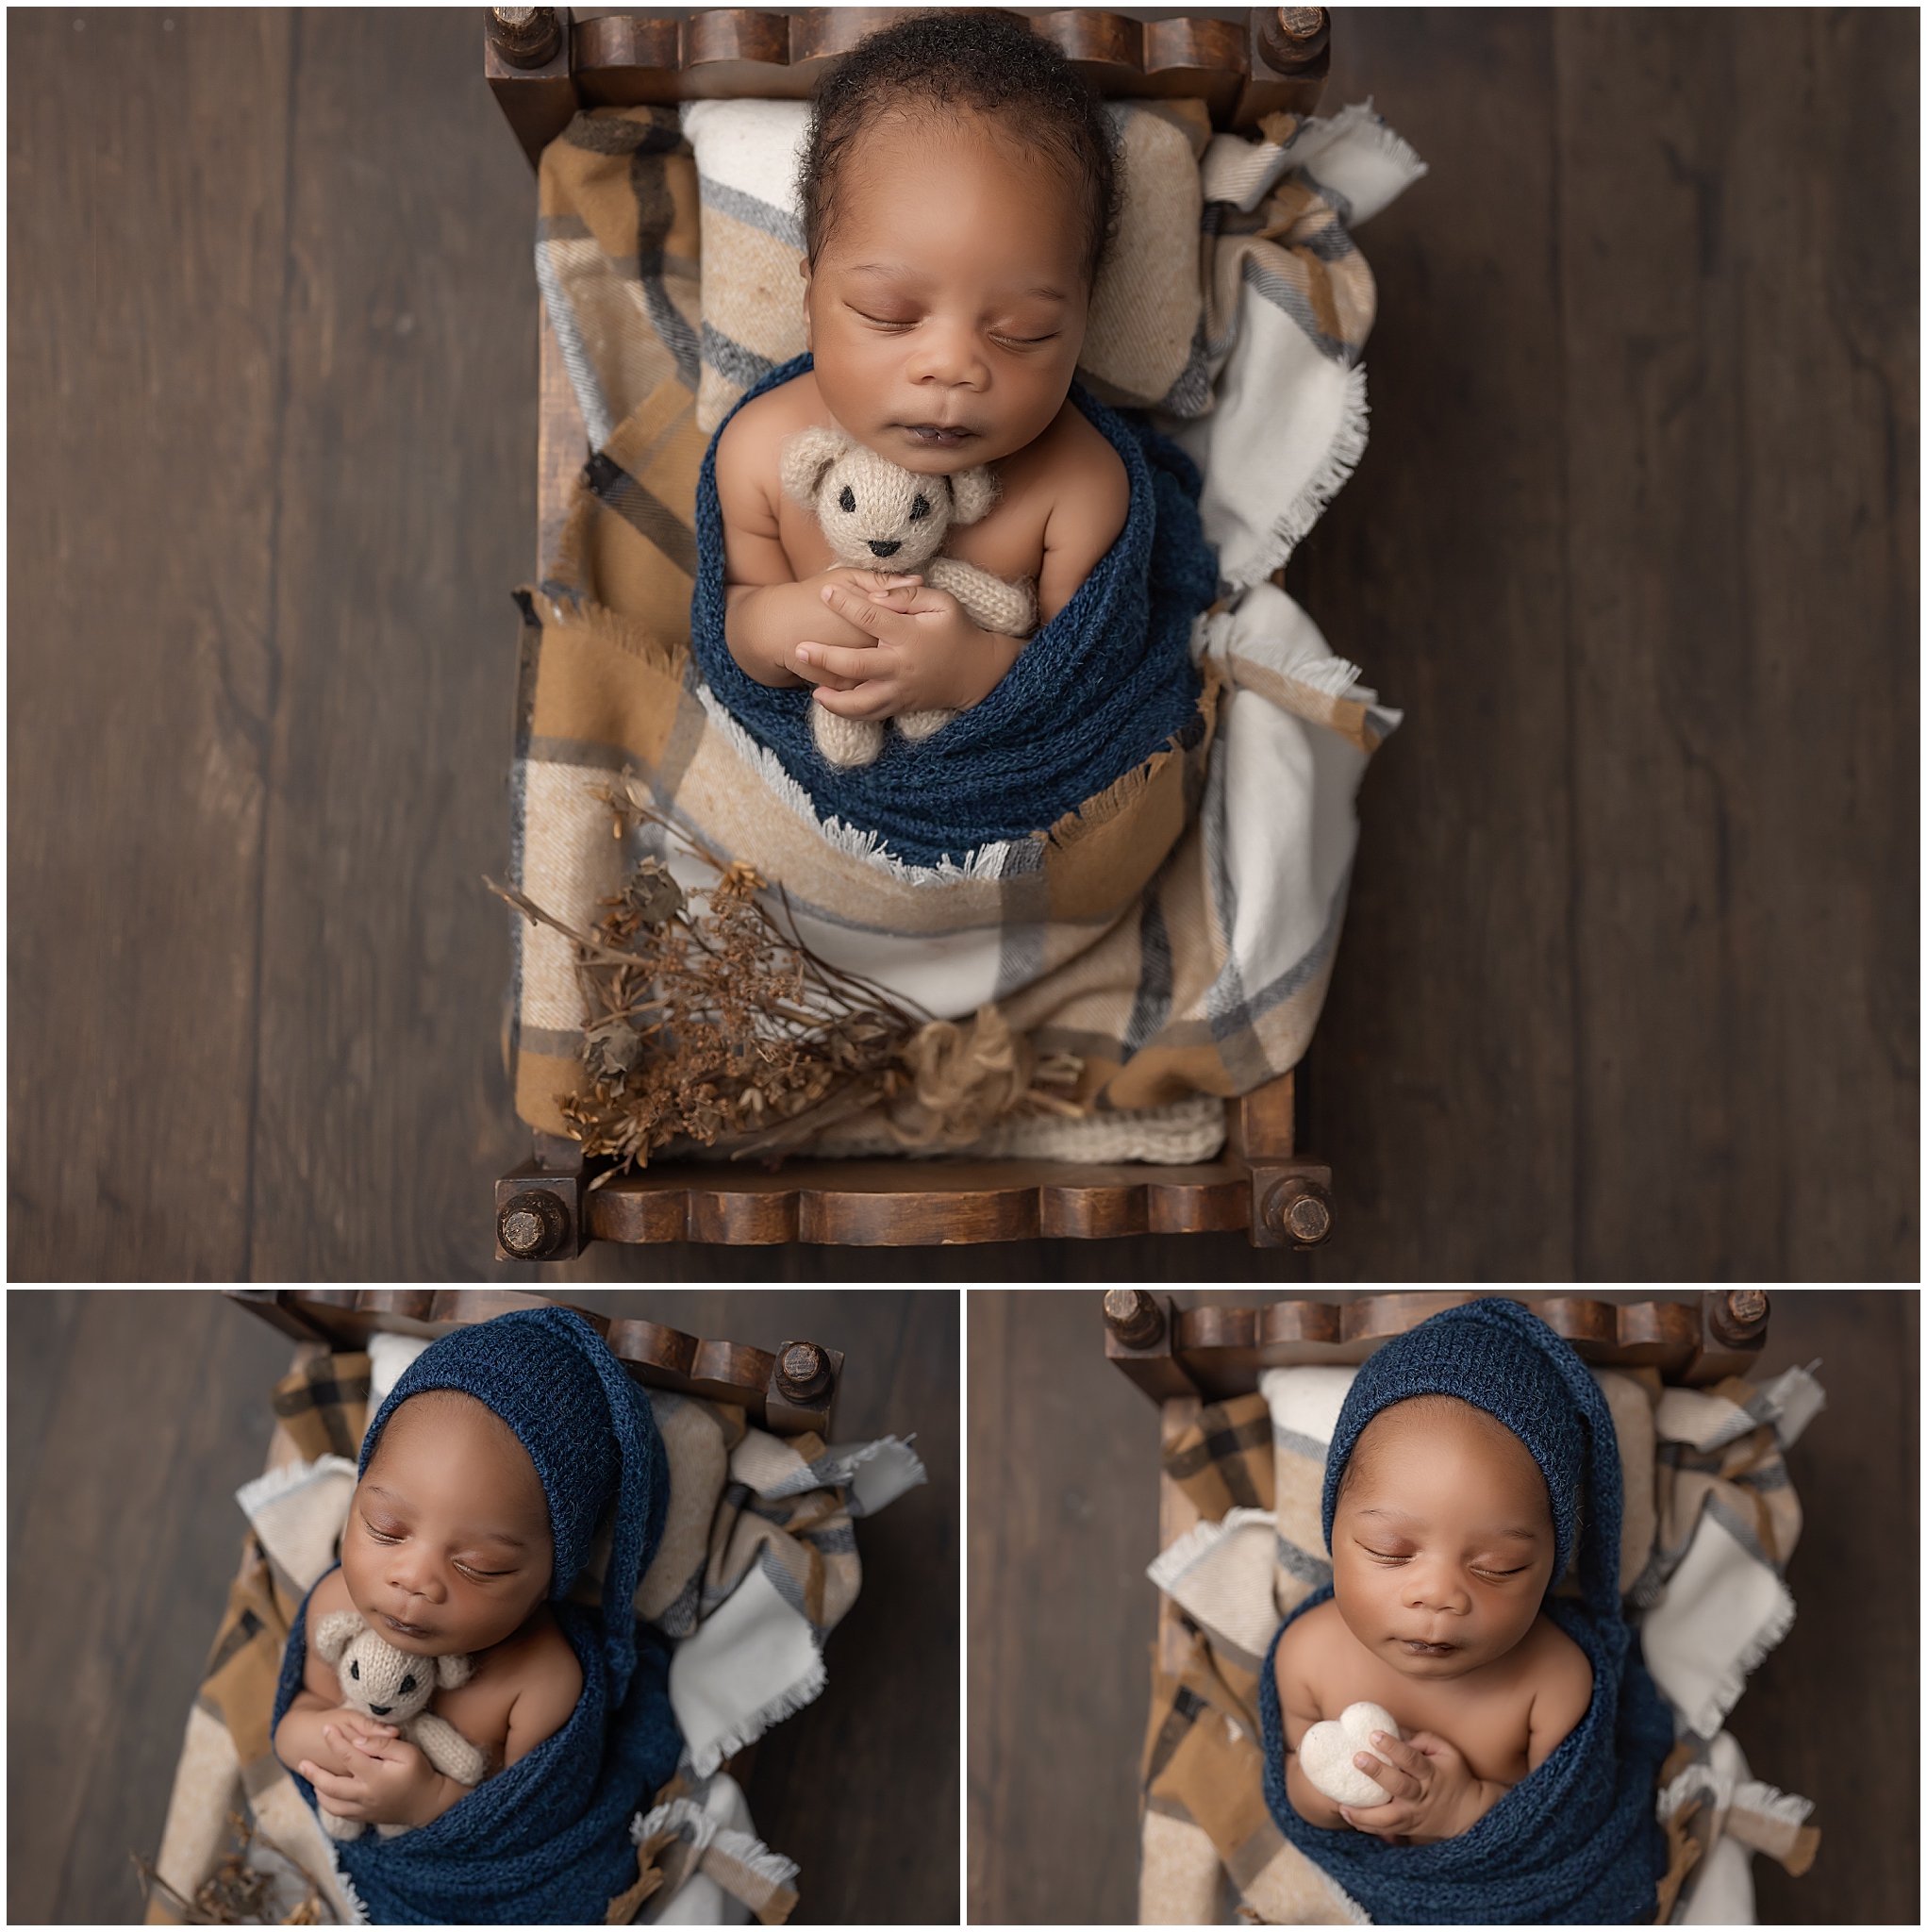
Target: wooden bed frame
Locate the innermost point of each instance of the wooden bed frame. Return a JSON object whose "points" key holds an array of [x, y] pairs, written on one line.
{"points": [[792, 1390], [1183, 1357], [542, 68]]}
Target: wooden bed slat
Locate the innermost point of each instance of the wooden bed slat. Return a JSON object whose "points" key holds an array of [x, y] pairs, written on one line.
{"points": [[792, 1390], [1276, 60], [899, 1203], [1218, 1351]]}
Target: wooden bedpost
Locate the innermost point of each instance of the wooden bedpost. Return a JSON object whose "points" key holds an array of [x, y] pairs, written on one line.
{"points": [[525, 59]]}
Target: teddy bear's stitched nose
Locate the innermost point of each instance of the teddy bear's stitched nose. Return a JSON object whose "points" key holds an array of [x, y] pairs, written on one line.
{"points": [[889, 549], [381, 1710]]}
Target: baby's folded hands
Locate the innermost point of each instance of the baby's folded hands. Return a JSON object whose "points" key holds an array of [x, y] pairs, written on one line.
{"points": [[1433, 1792], [382, 1778], [342, 1731], [922, 652]]}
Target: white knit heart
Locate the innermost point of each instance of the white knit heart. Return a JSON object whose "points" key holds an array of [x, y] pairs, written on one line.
{"points": [[1326, 1750]]}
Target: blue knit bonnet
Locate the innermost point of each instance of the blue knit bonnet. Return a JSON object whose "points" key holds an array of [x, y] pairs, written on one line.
{"points": [[589, 1430], [1501, 1358]]}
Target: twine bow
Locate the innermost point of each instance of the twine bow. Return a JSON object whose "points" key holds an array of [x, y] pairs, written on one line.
{"points": [[967, 1075]]}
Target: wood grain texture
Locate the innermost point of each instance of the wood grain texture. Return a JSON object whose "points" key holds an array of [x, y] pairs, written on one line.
{"points": [[408, 507], [1742, 493], [1059, 1686], [146, 1411], [1440, 1085], [1629, 983], [147, 197], [913, 1204], [1063, 1518]]}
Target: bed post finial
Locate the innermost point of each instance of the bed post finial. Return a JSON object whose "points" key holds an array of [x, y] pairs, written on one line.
{"points": [[524, 36], [1294, 36], [1132, 1315]]}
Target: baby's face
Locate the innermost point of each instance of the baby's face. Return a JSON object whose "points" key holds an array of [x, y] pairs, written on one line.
{"points": [[1442, 1540], [946, 309], [447, 1546]]}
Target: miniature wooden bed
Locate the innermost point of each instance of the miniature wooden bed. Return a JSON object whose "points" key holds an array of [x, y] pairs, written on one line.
{"points": [[542, 68]]}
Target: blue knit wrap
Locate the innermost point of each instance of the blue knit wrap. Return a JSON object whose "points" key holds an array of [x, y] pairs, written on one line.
{"points": [[545, 1841], [1105, 684], [1575, 1841]]}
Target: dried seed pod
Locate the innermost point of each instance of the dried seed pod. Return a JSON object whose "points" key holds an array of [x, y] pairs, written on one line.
{"points": [[651, 895]]}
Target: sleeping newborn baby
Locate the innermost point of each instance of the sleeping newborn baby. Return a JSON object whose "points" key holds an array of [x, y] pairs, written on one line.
{"points": [[958, 190], [508, 1453], [1442, 1548], [1463, 1459], [446, 1551]]}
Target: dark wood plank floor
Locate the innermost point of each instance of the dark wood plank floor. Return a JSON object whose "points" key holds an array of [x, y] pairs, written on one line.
{"points": [[1630, 983], [1063, 1520], [133, 1416]]}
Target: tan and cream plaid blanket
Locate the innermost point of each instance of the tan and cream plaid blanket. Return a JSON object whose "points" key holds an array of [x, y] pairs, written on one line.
{"points": [[1176, 933], [1709, 1524], [758, 1564]]}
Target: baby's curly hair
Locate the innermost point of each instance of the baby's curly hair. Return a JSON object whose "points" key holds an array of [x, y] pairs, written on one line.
{"points": [[980, 61]]}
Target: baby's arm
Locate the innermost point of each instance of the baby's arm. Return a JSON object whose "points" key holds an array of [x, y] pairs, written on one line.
{"points": [[1092, 499], [316, 1707], [1298, 1704], [1559, 1701], [768, 612], [552, 1686]]}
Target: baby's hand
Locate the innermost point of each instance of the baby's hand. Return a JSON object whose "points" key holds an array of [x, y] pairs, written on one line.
{"points": [[386, 1779], [1434, 1793], [358, 1725], [923, 653], [895, 588], [830, 630], [343, 1726]]}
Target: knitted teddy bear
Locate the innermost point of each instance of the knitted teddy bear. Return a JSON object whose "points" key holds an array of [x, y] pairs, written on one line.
{"points": [[389, 1685], [879, 516]]}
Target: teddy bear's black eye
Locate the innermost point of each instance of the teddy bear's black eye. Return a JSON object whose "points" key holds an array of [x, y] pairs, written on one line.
{"points": [[355, 1671], [920, 508], [408, 1685], [848, 499]]}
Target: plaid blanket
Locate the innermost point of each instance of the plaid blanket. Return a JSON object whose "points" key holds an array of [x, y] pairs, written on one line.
{"points": [[757, 1565], [1175, 933], [1705, 1560]]}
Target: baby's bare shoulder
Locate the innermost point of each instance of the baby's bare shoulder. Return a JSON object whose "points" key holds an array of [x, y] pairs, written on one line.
{"points": [[1073, 460], [1560, 1674], [547, 1681], [1555, 1653], [1308, 1643], [1313, 1630], [537, 1652], [330, 1594], [752, 440]]}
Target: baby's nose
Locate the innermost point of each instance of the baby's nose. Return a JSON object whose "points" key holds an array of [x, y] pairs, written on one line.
{"points": [[889, 549]]}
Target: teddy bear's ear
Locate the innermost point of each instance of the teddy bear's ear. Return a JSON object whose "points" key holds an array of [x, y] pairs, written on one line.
{"points": [[806, 455], [972, 492], [334, 1633], [452, 1673]]}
